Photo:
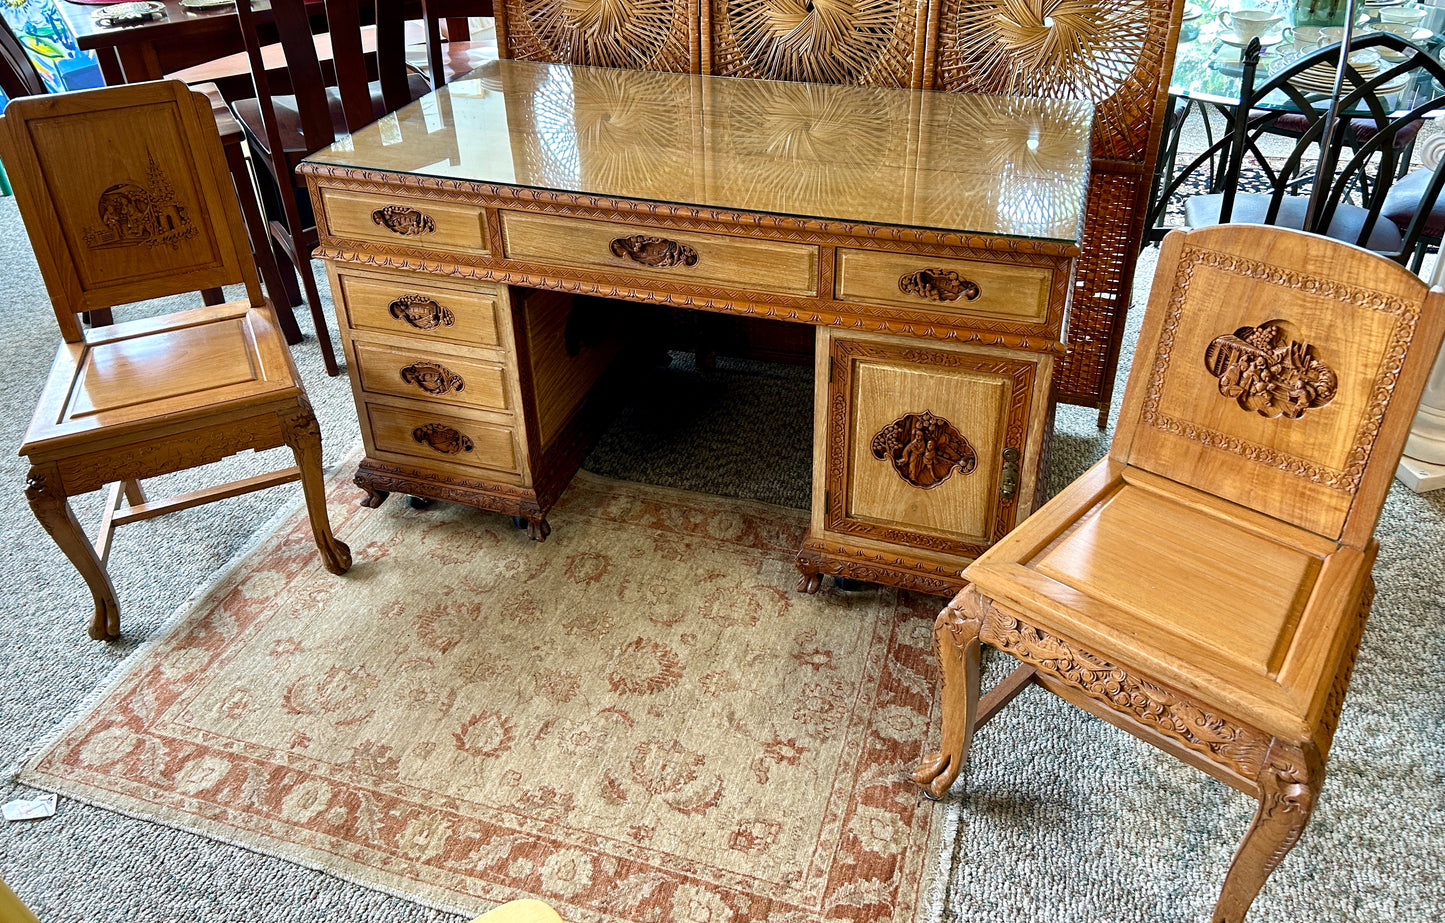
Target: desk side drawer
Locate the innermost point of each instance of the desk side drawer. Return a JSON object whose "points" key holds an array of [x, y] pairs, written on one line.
{"points": [[441, 440], [411, 303], [976, 287], [402, 220], [662, 253], [446, 379]]}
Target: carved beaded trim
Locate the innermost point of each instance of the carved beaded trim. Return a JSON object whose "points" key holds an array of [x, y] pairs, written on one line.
{"points": [[1237, 746], [1346, 479]]}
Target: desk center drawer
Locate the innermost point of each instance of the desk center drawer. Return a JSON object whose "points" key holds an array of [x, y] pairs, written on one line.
{"points": [[402, 220], [662, 253], [977, 287], [447, 379]]}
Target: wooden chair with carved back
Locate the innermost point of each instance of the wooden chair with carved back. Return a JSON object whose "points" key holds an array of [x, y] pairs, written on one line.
{"points": [[356, 87], [125, 198], [1205, 586]]}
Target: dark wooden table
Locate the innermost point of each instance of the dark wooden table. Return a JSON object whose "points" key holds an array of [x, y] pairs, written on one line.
{"points": [[150, 50]]}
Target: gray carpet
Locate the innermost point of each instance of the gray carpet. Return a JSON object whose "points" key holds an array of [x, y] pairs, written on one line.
{"points": [[1063, 819]]}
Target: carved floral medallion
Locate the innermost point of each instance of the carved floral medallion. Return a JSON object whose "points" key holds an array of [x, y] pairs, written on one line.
{"points": [[924, 449], [658, 252], [1268, 372], [442, 439], [938, 285], [403, 220], [421, 312], [432, 377]]}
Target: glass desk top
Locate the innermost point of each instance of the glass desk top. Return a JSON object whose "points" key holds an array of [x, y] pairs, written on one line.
{"points": [[1207, 67], [988, 165]]}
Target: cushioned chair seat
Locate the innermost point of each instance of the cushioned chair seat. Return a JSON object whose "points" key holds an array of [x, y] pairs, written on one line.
{"points": [[1250, 208], [248, 111], [1403, 201]]}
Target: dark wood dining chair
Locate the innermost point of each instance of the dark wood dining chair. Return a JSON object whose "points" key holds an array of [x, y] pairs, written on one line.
{"points": [[1205, 586], [451, 55], [1383, 101], [125, 197], [355, 89], [18, 76]]}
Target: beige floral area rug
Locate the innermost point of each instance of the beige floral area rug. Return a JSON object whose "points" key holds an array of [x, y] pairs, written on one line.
{"points": [[638, 720]]}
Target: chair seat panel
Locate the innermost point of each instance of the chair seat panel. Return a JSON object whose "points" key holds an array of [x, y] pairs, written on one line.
{"points": [[153, 372], [1252, 207], [1236, 592]]}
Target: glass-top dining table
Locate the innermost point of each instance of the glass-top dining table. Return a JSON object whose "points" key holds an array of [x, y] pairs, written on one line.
{"points": [[1204, 88]]}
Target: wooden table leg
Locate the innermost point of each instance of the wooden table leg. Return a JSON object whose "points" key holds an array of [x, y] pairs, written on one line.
{"points": [[46, 494], [140, 62], [110, 69]]}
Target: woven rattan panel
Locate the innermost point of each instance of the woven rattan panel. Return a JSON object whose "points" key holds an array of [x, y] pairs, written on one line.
{"points": [[640, 34], [871, 42], [1117, 54]]}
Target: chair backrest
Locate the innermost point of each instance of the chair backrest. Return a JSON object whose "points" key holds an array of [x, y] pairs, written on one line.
{"points": [[18, 76], [125, 196], [1280, 370], [351, 67], [454, 13], [1390, 86]]}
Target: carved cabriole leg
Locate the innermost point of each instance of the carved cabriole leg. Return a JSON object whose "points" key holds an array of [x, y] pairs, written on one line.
{"points": [[301, 433], [52, 508], [1289, 783], [956, 643], [375, 496]]}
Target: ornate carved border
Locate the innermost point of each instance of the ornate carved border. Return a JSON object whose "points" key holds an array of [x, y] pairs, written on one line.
{"points": [[822, 557], [1346, 479], [1241, 748]]}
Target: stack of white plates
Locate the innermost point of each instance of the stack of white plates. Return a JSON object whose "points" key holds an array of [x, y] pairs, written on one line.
{"points": [[1321, 77]]}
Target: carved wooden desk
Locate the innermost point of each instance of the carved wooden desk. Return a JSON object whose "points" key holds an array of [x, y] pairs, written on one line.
{"points": [[929, 237]]}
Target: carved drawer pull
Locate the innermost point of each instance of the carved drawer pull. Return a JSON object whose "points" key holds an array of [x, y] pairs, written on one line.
{"points": [[653, 251], [924, 449], [442, 439], [432, 377], [1008, 482], [938, 285], [404, 220], [421, 312]]}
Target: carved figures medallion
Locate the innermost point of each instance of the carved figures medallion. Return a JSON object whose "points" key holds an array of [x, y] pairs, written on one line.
{"points": [[1270, 373], [400, 219], [442, 439], [654, 251], [145, 214], [938, 285], [432, 377], [421, 312], [924, 449]]}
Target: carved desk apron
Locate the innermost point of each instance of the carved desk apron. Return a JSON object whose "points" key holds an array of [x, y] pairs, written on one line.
{"points": [[929, 237]]}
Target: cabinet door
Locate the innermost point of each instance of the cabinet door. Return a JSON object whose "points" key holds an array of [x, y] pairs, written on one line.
{"points": [[925, 445]]}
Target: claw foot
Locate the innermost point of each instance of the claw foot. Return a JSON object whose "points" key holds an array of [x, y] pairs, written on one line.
{"points": [[935, 774]]}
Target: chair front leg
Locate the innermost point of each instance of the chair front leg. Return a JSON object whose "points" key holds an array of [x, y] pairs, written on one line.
{"points": [[304, 437], [955, 641], [1289, 785], [46, 493]]}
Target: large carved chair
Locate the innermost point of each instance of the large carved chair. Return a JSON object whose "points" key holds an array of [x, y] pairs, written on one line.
{"points": [[1205, 586], [125, 197]]}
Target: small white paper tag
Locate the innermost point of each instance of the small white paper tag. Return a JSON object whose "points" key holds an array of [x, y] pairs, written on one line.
{"points": [[29, 808]]}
